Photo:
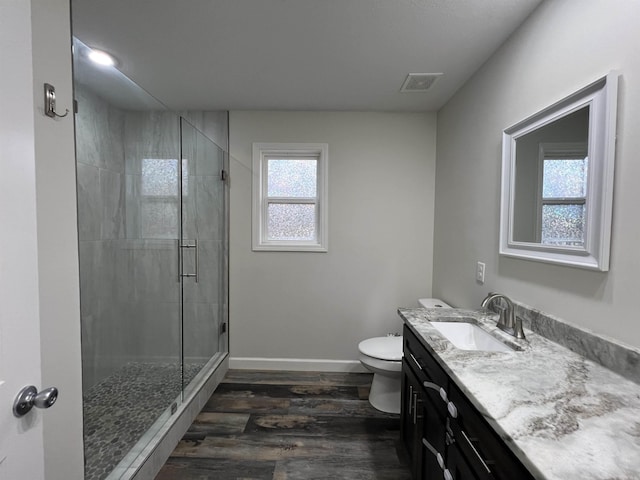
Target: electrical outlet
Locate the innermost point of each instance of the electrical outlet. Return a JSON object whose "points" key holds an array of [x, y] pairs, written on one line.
{"points": [[480, 272]]}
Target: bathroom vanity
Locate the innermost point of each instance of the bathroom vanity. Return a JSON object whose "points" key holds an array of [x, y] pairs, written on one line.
{"points": [[535, 411], [444, 434]]}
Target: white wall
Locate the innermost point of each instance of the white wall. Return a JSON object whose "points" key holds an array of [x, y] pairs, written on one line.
{"points": [[381, 186], [58, 240], [43, 248], [564, 45]]}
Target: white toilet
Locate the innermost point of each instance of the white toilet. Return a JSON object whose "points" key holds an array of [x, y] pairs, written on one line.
{"points": [[383, 357]]}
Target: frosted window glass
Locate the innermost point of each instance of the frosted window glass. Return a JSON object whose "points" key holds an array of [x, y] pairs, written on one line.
{"points": [[160, 177], [564, 178], [292, 178], [159, 219], [288, 221], [563, 225]]}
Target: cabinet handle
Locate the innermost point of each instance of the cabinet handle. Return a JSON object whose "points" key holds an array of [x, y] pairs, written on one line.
{"points": [[437, 388], [431, 448], [475, 451], [415, 408], [453, 411], [415, 361], [443, 394], [440, 459], [410, 398]]}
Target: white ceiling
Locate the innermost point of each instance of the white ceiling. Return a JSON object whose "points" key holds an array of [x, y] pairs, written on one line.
{"points": [[298, 54]]}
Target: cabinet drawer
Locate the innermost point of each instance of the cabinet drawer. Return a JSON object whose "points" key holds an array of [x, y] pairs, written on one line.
{"points": [[480, 445], [421, 361], [459, 468]]}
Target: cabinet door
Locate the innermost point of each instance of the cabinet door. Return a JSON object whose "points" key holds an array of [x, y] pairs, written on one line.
{"points": [[427, 381], [411, 417], [433, 382]]}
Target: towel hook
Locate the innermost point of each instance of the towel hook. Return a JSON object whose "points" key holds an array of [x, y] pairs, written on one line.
{"points": [[50, 102]]}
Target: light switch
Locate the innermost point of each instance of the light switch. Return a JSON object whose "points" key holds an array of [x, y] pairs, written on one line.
{"points": [[480, 272]]}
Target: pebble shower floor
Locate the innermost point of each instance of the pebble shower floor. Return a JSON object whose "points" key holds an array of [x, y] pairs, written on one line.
{"points": [[122, 407]]}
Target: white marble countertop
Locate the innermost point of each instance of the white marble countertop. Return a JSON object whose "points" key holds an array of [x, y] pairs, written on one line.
{"points": [[564, 416]]}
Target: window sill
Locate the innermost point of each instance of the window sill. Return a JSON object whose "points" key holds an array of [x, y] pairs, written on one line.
{"points": [[290, 248]]}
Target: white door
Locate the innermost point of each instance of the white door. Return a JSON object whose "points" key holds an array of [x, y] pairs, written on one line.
{"points": [[21, 440], [38, 248]]}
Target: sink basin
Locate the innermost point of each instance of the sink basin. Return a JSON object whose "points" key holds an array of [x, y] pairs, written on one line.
{"points": [[468, 336]]}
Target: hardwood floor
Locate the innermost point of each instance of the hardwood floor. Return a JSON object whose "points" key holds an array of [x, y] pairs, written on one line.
{"points": [[290, 426]]}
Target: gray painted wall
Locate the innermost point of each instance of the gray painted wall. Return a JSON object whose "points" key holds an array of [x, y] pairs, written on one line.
{"points": [[305, 306], [563, 46]]}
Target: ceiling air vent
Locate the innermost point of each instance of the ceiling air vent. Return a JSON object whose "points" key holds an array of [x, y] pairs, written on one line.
{"points": [[419, 82]]}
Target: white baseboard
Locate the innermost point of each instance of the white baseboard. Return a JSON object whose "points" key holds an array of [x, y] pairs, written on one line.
{"points": [[296, 364]]}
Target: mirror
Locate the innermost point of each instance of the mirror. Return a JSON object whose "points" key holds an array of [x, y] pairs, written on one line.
{"points": [[557, 180]]}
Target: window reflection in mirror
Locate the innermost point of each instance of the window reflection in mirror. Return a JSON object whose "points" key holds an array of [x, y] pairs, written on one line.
{"points": [[551, 173]]}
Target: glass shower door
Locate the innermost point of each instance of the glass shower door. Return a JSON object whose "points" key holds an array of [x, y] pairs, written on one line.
{"points": [[152, 227], [202, 252], [129, 203]]}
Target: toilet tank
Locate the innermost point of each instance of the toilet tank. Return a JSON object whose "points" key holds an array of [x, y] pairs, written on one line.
{"points": [[433, 303]]}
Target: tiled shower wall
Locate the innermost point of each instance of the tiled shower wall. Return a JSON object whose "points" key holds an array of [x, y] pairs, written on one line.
{"points": [[129, 266], [101, 219]]}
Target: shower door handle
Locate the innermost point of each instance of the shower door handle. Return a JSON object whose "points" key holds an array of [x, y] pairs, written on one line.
{"points": [[193, 245]]}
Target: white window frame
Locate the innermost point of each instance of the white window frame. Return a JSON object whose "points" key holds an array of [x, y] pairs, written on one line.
{"points": [[261, 153]]}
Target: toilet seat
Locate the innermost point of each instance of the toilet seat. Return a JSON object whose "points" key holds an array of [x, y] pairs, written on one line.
{"points": [[383, 348], [383, 357]]}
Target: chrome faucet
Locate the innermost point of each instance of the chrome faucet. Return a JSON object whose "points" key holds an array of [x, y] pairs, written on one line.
{"points": [[508, 321]]}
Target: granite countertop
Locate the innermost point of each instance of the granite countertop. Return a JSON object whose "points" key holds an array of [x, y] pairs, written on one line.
{"points": [[564, 416]]}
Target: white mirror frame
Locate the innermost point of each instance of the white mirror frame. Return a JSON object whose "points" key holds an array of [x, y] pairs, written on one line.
{"points": [[601, 97]]}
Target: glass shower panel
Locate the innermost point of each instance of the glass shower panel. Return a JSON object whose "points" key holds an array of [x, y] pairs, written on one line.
{"points": [[128, 178], [203, 256]]}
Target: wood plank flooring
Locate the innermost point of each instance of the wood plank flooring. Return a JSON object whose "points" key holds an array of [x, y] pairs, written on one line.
{"points": [[290, 426]]}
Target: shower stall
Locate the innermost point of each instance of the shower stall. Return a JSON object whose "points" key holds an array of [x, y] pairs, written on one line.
{"points": [[153, 223]]}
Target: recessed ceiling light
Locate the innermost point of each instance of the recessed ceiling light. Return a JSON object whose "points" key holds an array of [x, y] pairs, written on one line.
{"points": [[102, 58], [419, 82]]}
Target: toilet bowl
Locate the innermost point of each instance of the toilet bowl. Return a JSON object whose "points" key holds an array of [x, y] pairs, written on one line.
{"points": [[383, 357]]}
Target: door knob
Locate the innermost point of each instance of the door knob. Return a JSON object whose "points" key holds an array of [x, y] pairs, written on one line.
{"points": [[29, 398]]}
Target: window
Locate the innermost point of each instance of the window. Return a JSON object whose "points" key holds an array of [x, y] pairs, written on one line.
{"points": [[290, 196], [563, 194], [160, 199]]}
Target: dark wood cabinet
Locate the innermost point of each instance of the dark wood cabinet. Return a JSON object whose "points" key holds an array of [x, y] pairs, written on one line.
{"points": [[479, 444], [458, 466], [444, 434], [411, 415], [424, 410]]}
